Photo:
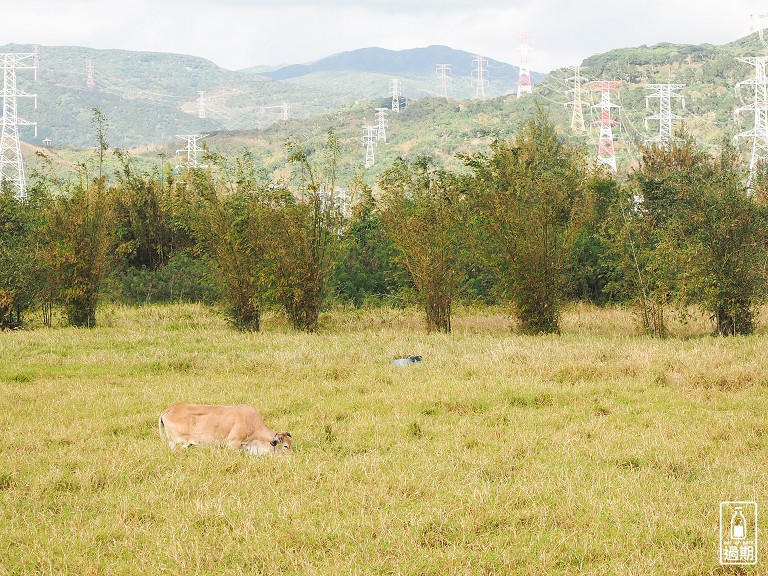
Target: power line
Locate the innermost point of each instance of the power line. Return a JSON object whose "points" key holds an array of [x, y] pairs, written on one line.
{"points": [[370, 144], [89, 75], [443, 79], [627, 126], [192, 148], [381, 124], [11, 160], [523, 71], [395, 88], [201, 104], [478, 71], [577, 114], [665, 93], [759, 133], [606, 154]]}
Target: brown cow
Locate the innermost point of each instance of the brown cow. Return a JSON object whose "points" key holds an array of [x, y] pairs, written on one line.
{"points": [[233, 426]]}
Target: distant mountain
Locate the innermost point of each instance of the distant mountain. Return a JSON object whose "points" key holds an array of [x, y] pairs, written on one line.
{"points": [[442, 128], [150, 97], [416, 62]]}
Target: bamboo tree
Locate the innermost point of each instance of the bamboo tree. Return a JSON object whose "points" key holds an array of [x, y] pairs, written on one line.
{"points": [[699, 236], [77, 232], [367, 268], [224, 210], [21, 271], [423, 214], [529, 195], [306, 224], [77, 235]]}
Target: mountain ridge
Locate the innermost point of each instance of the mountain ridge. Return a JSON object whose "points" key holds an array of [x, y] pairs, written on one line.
{"points": [[412, 61], [150, 97]]}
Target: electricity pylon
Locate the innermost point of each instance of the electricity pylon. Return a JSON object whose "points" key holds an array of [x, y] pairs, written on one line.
{"points": [[478, 71], [665, 93], [606, 154], [192, 148], [381, 124], [11, 161], [370, 144], [577, 114], [443, 79], [201, 104], [523, 71], [284, 110], [395, 88], [89, 75], [759, 106], [760, 27]]}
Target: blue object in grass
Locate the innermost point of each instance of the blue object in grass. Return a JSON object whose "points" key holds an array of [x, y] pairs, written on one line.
{"points": [[406, 361]]}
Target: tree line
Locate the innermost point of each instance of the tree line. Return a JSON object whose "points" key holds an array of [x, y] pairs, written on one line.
{"points": [[530, 222]]}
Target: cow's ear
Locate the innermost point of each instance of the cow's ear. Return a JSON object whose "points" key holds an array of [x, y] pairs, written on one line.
{"points": [[274, 442]]}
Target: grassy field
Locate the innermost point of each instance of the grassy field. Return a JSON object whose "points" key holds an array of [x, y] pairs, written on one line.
{"points": [[598, 451]]}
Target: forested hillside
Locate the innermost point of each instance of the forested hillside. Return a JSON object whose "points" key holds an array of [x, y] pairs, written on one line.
{"points": [[149, 98], [250, 226]]}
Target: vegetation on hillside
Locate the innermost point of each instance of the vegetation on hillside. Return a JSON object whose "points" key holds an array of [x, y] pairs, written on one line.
{"points": [[529, 223], [152, 97]]}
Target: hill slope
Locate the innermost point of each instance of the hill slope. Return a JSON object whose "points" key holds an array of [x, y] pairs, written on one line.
{"points": [[442, 128], [150, 97], [243, 107], [414, 63]]}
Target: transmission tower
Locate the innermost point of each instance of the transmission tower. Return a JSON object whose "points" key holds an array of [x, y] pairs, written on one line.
{"points": [[577, 113], [606, 155], [759, 133], [396, 89], [89, 74], [370, 144], [760, 26], [201, 104], [665, 93], [478, 72], [381, 124], [11, 161], [343, 199], [443, 79], [192, 148], [523, 72]]}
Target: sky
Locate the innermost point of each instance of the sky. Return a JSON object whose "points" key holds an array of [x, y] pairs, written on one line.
{"points": [[237, 34]]}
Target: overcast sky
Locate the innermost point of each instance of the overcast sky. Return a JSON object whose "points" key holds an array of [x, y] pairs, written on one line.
{"points": [[237, 34]]}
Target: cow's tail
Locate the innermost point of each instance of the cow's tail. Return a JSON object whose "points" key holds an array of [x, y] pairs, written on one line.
{"points": [[160, 426]]}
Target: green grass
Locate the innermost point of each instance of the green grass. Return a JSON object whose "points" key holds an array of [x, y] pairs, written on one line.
{"points": [[598, 451]]}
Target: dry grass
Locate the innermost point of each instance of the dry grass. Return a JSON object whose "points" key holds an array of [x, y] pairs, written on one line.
{"points": [[598, 451]]}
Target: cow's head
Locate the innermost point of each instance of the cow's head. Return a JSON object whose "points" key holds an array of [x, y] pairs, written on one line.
{"points": [[282, 442]]}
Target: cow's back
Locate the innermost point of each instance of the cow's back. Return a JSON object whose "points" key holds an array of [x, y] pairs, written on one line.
{"points": [[214, 425]]}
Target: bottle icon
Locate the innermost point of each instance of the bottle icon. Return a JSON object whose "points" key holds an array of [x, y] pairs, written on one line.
{"points": [[738, 524]]}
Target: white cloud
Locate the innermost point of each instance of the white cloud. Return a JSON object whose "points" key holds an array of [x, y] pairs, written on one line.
{"points": [[240, 33]]}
